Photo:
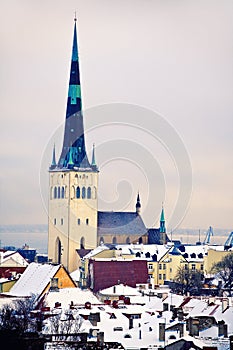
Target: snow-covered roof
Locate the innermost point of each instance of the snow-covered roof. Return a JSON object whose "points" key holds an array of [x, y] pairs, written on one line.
{"points": [[12, 258], [34, 280], [67, 295], [95, 251], [157, 249], [119, 289]]}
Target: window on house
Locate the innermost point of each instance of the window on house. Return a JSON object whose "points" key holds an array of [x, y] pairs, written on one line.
{"points": [[62, 221], [160, 276], [164, 266], [202, 267], [55, 221], [170, 269], [160, 266], [164, 276], [193, 267], [186, 266]]}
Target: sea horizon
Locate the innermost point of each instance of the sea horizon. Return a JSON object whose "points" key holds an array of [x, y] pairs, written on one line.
{"points": [[36, 236]]}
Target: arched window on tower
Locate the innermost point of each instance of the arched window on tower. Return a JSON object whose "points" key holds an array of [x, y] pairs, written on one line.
{"points": [[63, 192], [84, 192], [114, 240], [82, 243], [94, 193], [89, 193], [127, 240], [58, 192], [55, 192], [58, 251], [78, 192]]}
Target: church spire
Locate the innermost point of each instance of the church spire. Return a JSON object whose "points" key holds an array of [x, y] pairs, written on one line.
{"points": [[74, 130], [138, 204], [54, 163]]}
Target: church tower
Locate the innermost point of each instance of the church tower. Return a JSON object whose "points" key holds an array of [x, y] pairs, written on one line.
{"points": [[73, 183]]}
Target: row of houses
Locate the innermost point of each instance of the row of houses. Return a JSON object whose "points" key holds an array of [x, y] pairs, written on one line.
{"points": [[127, 317], [129, 263], [157, 264]]}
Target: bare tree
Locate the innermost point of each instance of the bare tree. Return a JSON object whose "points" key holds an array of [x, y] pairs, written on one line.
{"points": [[188, 281], [16, 316], [224, 269]]}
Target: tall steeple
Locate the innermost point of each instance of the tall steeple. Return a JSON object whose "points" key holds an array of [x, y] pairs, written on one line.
{"points": [[73, 150]]}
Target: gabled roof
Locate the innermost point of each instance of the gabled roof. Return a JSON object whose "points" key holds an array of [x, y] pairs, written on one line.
{"points": [[34, 280], [117, 223], [12, 257]]}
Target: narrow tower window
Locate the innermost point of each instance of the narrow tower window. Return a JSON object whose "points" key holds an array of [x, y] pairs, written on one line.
{"points": [[84, 192], [89, 193], [82, 243], [58, 192], [55, 192], [87, 221], [78, 221], [63, 192], [78, 192]]}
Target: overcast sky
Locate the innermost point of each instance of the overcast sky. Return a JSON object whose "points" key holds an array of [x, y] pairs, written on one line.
{"points": [[171, 58]]}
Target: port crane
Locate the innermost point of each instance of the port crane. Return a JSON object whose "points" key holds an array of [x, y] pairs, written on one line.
{"points": [[229, 242], [209, 233]]}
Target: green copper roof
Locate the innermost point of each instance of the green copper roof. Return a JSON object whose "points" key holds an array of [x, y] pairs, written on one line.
{"points": [[162, 215]]}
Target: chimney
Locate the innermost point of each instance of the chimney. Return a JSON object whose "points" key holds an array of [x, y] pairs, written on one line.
{"points": [[54, 285], [194, 326], [222, 329], [130, 323], [161, 331]]}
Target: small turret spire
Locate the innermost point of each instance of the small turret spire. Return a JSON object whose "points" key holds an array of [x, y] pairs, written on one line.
{"points": [[162, 222], [138, 204], [54, 163], [93, 162]]}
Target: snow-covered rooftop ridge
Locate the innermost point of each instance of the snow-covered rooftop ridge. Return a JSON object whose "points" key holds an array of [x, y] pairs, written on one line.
{"points": [[119, 289], [34, 279]]}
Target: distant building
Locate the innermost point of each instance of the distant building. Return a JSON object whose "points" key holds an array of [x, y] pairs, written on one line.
{"points": [[28, 253], [12, 263]]}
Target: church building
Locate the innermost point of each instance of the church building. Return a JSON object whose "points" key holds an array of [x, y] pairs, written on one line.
{"points": [[74, 220]]}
